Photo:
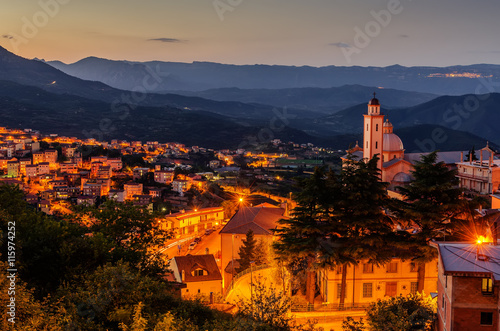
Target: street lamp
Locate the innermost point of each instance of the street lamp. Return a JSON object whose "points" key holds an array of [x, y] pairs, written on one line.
{"points": [[251, 280]]}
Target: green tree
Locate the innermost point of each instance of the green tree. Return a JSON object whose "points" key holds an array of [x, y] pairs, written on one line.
{"points": [[247, 251], [261, 252], [350, 324], [301, 234], [339, 220], [413, 312], [267, 306], [433, 202], [132, 232]]}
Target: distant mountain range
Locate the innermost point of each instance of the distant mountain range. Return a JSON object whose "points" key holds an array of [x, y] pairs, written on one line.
{"points": [[326, 100], [199, 76], [38, 96], [476, 114]]}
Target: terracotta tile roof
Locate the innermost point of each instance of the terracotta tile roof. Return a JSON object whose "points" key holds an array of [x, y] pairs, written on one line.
{"points": [[259, 219], [189, 263]]}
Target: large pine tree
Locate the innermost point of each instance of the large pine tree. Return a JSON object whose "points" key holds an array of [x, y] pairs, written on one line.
{"points": [[339, 220], [247, 251], [432, 202]]}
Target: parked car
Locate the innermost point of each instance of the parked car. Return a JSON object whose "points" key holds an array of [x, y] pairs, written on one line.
{"points": [[197, 239], [192, 245], [208, 231]]}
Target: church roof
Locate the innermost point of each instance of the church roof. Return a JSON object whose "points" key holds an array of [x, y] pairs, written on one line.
{"points": [[374, 102], [392, 143]]}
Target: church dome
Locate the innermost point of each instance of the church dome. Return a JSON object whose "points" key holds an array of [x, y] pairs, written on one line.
{"points": [[374, 102], [402, 177], [392, 143]]}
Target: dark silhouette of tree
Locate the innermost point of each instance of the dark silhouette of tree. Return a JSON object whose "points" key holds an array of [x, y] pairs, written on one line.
{"points": [[432, 202], [339, 221], [247, 251]]}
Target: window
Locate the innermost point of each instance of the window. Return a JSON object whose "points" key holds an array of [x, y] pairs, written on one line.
{"points": [[367, 290], [413, 287], [376, 127], [339, 270], [392, 267], [367, 268], [376, 144], [199, 272], [413, 267], [367, 127], [391, 289], [487, 286], [486, 318]]}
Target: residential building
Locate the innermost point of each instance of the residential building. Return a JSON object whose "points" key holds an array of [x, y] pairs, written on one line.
{"points": [[50, 155], [367, 282], [193, 222], [132, 189], [199, 272], [38, 157], [22, 165], [180, 186], [482, 175], [468, 286], [163, 177], [139, 173], [43, 168], [69, 167], [261, 219], [13, 169], [31, 170]]}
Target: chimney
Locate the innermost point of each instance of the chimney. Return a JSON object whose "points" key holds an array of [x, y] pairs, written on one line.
{"points": [[183, 275]]}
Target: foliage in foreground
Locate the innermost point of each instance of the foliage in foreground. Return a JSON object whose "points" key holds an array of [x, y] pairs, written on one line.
{"points": [[413, 312]]}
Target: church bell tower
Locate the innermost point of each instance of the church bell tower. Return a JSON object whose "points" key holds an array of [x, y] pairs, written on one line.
{"points": [[373, 133]]}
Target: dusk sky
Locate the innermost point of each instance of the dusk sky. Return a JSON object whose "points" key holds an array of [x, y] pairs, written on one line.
{"points": [[288, 32]]}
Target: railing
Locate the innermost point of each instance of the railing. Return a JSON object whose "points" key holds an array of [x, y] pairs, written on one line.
{"points": [[241, 274], [329, 307]]}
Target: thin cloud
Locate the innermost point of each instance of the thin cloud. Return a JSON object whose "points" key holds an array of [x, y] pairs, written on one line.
{"points": [[341, 45], [167, 40], [7, 36]]}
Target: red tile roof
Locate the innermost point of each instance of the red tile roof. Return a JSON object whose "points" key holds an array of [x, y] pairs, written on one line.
{"points": [[260, 220], [190, 263]]}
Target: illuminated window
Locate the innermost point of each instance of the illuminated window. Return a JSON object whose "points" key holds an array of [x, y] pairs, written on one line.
{"points": [[392, 267], [486, 318], [413, 267], [367, 290], [367, 268], [487, 286]]}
